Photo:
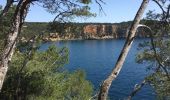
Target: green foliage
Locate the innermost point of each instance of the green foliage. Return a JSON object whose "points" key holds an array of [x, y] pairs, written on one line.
{"points": [[85, 1], [40, 75], [6, 21], [5, 25], [157, 54], [161, 84], [158, 80], [66, 28], [67, 10], [84, 11], [44, 78], [31, 29]]}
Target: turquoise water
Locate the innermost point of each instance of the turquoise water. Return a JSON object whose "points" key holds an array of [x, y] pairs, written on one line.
{"points": [[98, 57]]}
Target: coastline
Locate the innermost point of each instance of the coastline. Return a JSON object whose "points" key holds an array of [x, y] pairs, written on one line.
{"points": [[70, 39], [79, 39]]}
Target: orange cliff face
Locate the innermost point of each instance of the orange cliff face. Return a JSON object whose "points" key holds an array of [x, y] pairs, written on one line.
{"points": [[101, 30], [94, 30], [116, 31], [90, 30], [98, 31]]}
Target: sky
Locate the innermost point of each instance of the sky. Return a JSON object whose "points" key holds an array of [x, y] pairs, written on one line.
{"points": [[115, 11]]}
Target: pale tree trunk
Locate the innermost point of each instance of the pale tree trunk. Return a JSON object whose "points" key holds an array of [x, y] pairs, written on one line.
{"points": [[118, 66], [12, 36]]}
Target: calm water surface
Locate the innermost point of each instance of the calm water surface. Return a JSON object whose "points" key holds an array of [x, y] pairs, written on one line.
{"points": [[98, 57]]}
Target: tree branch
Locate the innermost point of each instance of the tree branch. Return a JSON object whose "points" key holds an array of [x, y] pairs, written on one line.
{"points": [[60, 14], [160, 6], [136, 89], [5, 10], [168, 11], [155, 51], [100, 6]]}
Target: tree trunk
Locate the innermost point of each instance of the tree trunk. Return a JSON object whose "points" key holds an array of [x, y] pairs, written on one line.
{"points": [[12, 36], [131, 34]]}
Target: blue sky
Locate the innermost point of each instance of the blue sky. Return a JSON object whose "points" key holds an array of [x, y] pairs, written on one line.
{"points": [[115, 10]]}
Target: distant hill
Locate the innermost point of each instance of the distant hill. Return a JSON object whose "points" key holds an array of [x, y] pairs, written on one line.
{"points": [[33, 28], [79, 30]]}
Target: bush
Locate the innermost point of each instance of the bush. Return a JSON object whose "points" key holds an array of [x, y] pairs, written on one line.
{"points": [[43, 77]]}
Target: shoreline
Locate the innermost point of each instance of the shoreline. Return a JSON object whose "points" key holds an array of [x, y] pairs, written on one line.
{"points": [[81, 39]]}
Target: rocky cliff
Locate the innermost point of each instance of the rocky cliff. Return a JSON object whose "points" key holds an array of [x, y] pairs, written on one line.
{"points": [[97, 31], [74, 31]]}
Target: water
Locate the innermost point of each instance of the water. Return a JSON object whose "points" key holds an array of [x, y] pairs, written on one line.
{"points": [[97, 58]]}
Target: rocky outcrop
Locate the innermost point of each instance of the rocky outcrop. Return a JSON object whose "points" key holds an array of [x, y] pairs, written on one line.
{"points": [[116, 31], [97, 31]]}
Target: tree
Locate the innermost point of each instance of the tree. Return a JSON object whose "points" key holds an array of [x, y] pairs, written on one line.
{"points": [[53, 82], [156, 52], [131, 34], [53, 6], [15, 28], [40, 75]]}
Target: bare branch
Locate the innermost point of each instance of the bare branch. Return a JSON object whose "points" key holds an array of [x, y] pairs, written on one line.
{"points": [[160, 6], [136, 89], [168, 11], [100, 6], [61, 13], [6, 8]]}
